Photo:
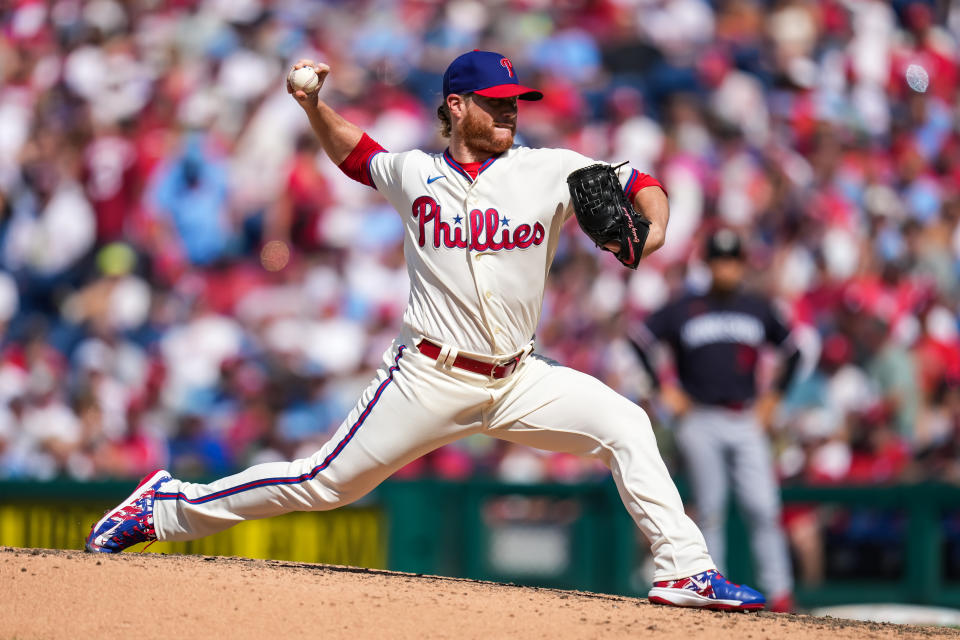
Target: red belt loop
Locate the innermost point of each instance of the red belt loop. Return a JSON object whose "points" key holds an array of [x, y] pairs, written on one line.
{"points": [[488, 369]]}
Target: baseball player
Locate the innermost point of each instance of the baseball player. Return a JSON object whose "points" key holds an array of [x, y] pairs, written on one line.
{"points": [[715, 338], [482, 222]]}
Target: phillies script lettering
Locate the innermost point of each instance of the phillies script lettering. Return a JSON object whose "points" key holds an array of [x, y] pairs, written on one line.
{"points": [[484, 226]]}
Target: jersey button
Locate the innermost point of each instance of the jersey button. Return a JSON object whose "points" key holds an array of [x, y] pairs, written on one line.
{"points": [[488, 295]]}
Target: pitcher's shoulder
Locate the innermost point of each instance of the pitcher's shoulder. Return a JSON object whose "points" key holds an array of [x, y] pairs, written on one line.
{"points": [[419, 155], [555, 155], [416, 160], [522, 150]]}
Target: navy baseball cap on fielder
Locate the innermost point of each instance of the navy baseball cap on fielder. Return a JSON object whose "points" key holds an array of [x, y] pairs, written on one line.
{"points": [[486, 73], [724, 243]]}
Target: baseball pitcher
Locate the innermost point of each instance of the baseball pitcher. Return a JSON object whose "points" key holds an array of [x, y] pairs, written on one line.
{"points": [[482, 222]]}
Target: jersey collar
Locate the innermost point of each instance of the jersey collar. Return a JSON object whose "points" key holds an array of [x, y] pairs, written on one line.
{"points": [[463, 172]]}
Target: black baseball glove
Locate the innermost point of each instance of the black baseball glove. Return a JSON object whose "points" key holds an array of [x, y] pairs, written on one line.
{"points": [[605, 214]]}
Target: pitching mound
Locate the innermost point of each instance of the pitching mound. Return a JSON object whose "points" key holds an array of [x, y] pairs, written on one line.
{"points": [[70, 594]]}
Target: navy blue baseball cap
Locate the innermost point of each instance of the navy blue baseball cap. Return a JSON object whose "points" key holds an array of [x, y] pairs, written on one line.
{"points": [[486, 73], [724, 243]]}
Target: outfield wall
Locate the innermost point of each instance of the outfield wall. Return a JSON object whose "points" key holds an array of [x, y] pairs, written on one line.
{"points": [[889, 544]]}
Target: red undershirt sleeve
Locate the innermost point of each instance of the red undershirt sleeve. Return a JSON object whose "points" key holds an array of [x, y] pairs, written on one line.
{"points": [[639, 181], [357, 164]]}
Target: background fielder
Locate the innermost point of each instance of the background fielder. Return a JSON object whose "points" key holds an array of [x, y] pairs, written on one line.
{"points": [[481, 229]]}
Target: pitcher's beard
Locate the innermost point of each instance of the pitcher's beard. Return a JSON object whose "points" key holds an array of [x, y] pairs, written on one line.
{"points": [[481, 138]]}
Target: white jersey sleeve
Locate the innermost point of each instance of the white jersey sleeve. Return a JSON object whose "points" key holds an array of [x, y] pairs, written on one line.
{"points": [[386, 171]]}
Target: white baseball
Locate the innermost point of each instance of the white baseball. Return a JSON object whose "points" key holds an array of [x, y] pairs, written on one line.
{"points": [[917, 78], [304, 79]]}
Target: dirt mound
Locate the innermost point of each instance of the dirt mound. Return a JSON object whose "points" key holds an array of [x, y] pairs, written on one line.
{"points": [[70, 594]]}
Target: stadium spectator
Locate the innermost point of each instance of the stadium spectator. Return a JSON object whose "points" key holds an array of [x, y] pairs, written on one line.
{"points": [[148, 155]]}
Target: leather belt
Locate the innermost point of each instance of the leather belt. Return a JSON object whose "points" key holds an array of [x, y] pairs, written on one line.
{"points": [[488, 369]]}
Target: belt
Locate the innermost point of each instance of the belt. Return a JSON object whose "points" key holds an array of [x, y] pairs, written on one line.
{"points": [[489, 369]]}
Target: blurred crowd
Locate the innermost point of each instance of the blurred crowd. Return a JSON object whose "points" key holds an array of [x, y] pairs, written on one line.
{"points": [[186, 281]]}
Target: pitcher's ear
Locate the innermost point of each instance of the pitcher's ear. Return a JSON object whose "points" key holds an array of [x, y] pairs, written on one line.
{"points": [[456, 103]]}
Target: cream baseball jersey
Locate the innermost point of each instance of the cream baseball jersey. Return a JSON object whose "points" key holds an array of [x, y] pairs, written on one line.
{"points": [[478, 247]]}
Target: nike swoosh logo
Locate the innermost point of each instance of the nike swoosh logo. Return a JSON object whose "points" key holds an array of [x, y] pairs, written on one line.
{"points": [[101, 539], [434, 179], [700, 585]]}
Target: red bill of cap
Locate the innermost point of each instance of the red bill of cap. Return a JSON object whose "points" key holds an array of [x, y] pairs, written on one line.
{"points": [[510, 91]]}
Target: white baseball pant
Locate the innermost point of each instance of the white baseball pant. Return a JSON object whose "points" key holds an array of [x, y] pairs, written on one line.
{"points": [[414, 405], [718, 445]]}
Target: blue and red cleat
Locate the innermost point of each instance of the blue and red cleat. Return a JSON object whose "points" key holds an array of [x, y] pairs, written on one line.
{"points": [[707, 590], [131, 521]]}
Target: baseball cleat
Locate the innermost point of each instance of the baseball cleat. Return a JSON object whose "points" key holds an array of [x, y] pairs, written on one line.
{"points": [[131, 521], [707, 590]]}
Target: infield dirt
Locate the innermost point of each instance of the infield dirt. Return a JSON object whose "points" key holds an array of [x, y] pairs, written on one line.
{"points": [[70, 594]]}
